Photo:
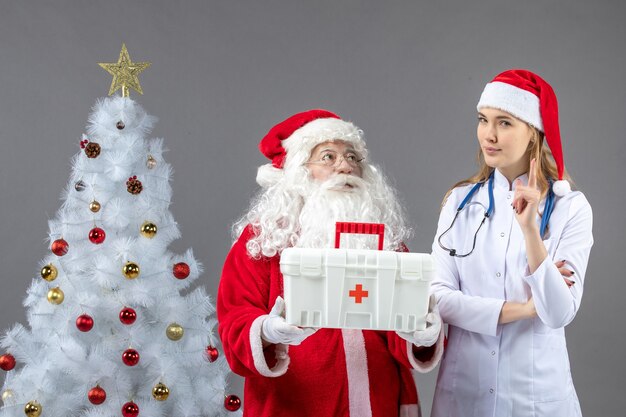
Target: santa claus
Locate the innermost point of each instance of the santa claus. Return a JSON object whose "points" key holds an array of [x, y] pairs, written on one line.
{"points": [[319, 174]]}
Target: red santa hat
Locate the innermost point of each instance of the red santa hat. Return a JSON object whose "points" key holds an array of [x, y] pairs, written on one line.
{"points": [[293, 139], [530, 98]]}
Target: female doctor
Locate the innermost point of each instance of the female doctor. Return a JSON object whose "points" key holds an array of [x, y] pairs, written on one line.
{"points": [[502, 236]]}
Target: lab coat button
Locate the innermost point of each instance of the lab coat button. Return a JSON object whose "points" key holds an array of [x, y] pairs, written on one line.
{"points": [[508, 197], [491, 390], [502, 234], [498, 274], [493, 352]]}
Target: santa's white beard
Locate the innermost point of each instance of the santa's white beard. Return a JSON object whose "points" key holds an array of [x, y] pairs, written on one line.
{"points": [[342, 198], [297, 211]]}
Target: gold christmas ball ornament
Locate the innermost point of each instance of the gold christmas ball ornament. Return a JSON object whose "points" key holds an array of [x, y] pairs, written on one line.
{"points": [[49, 272], [56, 296], [148, 230], [131, 270], [7, 395], [94, 206], [32, 409], [151, 163], [175, 331], [160, 392]]}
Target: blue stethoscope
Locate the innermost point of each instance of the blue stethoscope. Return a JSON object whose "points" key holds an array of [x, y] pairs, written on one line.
{"points": [[547, 212]]}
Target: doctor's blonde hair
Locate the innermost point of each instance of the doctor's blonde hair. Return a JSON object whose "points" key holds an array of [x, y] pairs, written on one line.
{"points": [[546, 167]]}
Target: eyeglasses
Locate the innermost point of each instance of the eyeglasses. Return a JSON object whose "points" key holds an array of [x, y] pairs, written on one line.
{"points": [[333, 159]]}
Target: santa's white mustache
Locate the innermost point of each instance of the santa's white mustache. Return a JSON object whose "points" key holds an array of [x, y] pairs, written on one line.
{"points": [[340, 181]]}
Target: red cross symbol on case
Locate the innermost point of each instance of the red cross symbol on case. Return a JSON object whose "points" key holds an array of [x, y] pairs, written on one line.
{"points": [[358, 294]]}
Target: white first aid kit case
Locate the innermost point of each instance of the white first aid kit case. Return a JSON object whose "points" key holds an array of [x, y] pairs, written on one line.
{"points": [[356, 288]]}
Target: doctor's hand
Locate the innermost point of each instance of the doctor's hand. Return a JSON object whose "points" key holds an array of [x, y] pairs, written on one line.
{"points": [[275, 330], [566, 273], [430, 335], [526, 200]]}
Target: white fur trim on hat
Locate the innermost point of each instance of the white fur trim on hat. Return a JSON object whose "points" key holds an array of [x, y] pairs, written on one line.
{"points": [[268, 175], [299, 145], [520, 103], [561, 187]]}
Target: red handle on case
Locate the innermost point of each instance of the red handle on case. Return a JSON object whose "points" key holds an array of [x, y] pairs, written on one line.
{"points": [[360, 228]]}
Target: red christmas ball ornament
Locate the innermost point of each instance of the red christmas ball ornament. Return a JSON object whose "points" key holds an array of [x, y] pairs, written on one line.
{"points": [[7, 362], [59, 247], [181, 270], [97, 395], [128, 316], [97, 235], [232, 403], [130, 357], [212, 353], [130, 409], [84, 322]]}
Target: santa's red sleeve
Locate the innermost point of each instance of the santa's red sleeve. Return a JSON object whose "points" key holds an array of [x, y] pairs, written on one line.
{"points": [[242, 306]]}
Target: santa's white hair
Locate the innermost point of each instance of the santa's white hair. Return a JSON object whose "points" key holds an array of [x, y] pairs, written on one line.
{"points": [[293, 210]]}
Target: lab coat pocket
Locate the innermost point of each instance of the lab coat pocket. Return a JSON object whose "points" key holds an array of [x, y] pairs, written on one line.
{"points": [[551, 372], [568, 407]]}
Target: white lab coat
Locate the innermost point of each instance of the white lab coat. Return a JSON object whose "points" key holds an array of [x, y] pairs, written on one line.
{"points": [[521, 368]]}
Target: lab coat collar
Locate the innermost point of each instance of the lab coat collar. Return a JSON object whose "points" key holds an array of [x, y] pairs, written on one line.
{"points": [[500, 180]]}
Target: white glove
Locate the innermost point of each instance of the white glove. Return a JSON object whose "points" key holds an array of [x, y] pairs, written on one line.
{"points": [[430, 335], [276, 330]]}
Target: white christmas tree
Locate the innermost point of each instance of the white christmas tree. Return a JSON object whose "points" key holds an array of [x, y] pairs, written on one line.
{"points": [[115, 328]]}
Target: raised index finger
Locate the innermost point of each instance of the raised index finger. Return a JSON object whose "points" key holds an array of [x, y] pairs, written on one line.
{"points": [[532, 174]]}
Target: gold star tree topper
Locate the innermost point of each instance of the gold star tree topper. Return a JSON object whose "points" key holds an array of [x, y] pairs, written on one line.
{"points": [[125, 73]]}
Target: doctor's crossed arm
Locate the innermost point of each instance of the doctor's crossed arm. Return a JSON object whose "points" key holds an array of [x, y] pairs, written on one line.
{"points": [[554, 299]]}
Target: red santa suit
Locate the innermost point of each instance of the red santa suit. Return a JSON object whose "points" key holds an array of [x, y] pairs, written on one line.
{"points": [[332, 373]]}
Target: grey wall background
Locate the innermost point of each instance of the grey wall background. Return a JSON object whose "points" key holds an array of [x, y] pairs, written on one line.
{"points": [[408, 72]]}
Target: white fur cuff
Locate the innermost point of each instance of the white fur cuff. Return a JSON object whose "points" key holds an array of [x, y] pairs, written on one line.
{"points": [[256, 343], [428, 366]]}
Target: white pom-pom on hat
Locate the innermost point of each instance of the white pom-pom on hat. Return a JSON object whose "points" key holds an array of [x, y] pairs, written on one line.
{"points": [[561, 187], [268, 175]]}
